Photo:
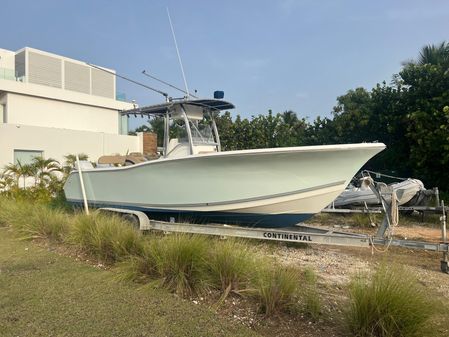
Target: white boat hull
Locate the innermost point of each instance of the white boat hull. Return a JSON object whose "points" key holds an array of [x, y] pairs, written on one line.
{"points": [[266, 187], [405, 191]]}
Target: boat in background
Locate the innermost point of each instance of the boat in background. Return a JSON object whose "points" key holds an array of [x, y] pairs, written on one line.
{"points": [[405, 191], [195, 181]]}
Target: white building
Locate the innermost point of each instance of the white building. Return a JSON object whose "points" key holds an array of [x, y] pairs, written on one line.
{"points": [[53, 106]]}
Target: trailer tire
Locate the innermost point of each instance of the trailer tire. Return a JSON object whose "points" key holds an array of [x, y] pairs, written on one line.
{"points": [[133, 219]]}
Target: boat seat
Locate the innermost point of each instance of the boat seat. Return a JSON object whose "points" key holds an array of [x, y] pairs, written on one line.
{"points": [[118, 160]]}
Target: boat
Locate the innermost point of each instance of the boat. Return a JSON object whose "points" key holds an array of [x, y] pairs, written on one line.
{"points": [[405, 191], [194, 181]]}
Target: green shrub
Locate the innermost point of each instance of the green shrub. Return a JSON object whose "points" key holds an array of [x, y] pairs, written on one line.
{"points": [[392, 303], [230, 265], [108, 237], [180, 262], [276, 288]]}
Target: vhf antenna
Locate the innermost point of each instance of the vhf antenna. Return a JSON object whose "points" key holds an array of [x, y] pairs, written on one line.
{"points": [[179, 56], [167, 98], [168, 84]]}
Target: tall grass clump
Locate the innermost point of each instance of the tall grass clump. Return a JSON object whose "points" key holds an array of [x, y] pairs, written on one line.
{"points": [[45, 223], [15, 213], [139, 268], [8, 208], [309, 294], [180, 262], [391, 303], [34, 220], [108, 237], [276, 288], [230, 266]]}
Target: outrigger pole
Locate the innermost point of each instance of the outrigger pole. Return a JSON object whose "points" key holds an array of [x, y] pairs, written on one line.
{"points": [[167, 98], [168, 84]]}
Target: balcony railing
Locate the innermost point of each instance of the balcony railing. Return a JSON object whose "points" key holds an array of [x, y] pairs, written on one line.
{"points": [[10, 74]]}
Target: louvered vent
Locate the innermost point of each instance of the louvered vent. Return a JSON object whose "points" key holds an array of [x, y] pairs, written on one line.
{"points": [[76, 77], [43, 69], [102, 83]]}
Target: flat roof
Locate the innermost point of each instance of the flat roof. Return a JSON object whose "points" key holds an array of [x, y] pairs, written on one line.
{"points": [[161, 109]]}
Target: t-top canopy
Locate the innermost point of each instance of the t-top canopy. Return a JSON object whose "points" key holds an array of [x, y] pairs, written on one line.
{"points": [[161, 109]]}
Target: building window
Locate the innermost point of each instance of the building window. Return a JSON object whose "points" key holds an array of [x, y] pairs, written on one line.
{"points": [[26, 156], [3, 117], [122, 125]]}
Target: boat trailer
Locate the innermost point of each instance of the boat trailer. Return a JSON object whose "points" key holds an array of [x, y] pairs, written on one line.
{"points": [[301, 232]]}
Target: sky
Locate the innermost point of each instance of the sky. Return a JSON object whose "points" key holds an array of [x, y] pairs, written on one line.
{"points": [[282, 55]]}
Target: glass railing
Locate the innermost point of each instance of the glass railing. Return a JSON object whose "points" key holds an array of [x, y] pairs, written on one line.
{"points": [[120, 96], [7, 74], [10, 74]]}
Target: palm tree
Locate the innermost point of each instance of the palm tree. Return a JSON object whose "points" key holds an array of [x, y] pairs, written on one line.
{"points": [[436, 55], [45, 168], [433, 54], [6, 182], [20, 170], [14, 171], [70, 161], [26, 170]]}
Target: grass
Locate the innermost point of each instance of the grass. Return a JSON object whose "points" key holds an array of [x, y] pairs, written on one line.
{"points": [[230, 266], [389, 304], [45, 294], [109, 238], [392, 303], [309, 294], [32, 221], [276, 288], [139, 269], [180, 262]]}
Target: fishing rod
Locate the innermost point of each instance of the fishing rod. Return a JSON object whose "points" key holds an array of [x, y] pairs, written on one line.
{"points": [[130, 80], [168, 84]]}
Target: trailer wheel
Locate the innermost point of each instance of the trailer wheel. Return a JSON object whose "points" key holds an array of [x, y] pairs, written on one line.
{"points": [[133, 219]]}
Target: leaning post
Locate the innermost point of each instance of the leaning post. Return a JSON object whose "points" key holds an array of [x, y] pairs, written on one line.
{"points": [[83, 190]]}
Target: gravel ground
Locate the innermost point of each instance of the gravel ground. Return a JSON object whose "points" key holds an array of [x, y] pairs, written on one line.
{"points": [[335, 266]]}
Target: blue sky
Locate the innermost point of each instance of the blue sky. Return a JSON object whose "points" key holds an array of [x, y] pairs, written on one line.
{"points": [[278, 55]]}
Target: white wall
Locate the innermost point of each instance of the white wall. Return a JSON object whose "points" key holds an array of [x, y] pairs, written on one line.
{"points": [[56, 143], [36, 111], [7, 59]]}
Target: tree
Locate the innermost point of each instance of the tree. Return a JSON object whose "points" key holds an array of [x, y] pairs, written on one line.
{"points": [[13, 171], [427, 101], [7, 182], [19, 170], [45, 169], [70, 161], [434, 55]]}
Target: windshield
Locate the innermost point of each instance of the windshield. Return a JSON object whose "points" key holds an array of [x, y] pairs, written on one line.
{"points": [[201, 132]]}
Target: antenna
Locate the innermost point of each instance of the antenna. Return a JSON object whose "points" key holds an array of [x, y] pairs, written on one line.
{"points": [[177, 51], [166, 83], [130, 80]]}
